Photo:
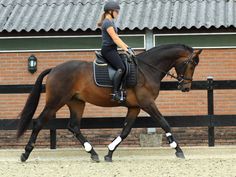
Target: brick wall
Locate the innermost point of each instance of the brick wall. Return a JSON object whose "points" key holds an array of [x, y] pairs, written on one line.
{"points": [[219, 63]]}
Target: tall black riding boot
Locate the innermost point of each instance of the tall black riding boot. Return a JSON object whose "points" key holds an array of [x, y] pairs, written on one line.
{"points": [[116, 85]]}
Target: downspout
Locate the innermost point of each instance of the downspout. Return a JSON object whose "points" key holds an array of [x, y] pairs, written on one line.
{"points": [[149, 43]]}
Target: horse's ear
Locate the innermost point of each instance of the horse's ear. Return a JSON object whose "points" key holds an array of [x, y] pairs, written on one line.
{"points": [[198, 52]]}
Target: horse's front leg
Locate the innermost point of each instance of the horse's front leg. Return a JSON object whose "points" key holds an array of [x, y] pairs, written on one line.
{"points": [[153, 111], [129, 121]]}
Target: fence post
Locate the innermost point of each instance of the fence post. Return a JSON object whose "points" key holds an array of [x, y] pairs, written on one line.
{"points": [[210, 100], [53, 137]]}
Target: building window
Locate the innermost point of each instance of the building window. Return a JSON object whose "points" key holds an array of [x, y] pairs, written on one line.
{"points": [[63, 43], [198, 40]]}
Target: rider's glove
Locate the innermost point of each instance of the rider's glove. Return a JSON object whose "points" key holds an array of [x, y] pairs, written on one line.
{"points": [[131, 52]]}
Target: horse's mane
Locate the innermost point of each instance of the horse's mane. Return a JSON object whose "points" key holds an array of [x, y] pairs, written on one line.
{"points": [[163, 47]]}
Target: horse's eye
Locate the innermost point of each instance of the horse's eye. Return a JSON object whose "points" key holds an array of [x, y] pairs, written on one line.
{"points": [[192, 67]]}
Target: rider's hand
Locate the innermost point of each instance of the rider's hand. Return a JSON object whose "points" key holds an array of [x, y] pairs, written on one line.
{"points": [[130, 52]]}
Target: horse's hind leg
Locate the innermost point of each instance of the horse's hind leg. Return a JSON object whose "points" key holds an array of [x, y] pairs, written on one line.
{"points": [[46, 114], [76, 111], [129, 121]]}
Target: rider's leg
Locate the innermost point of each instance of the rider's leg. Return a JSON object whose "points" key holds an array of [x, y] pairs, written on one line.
{"points": [[116, 84], [112, 56]]}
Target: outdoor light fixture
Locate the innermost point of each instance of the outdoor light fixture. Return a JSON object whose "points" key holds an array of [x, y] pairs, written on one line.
{"points": [[32, 64]]}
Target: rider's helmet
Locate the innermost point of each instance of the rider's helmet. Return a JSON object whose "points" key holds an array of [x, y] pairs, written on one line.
{"points": [[111, 5]]}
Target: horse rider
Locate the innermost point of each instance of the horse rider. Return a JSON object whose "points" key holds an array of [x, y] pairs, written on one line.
{"points": [[110, 41]]}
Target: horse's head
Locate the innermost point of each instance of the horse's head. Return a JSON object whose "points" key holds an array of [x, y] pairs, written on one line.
{"points": [[185, 69]]}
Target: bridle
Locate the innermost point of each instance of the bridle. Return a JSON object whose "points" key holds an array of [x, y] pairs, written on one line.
{"points": [[180, 78]]}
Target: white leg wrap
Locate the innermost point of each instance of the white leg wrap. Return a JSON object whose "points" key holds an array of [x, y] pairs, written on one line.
{"points": [[173, 144], [114, 143], [87, 147]]}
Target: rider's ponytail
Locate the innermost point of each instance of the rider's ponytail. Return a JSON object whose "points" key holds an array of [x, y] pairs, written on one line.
{"points": [[101, 19]]}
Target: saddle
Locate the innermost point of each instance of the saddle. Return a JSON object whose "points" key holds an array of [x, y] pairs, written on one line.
{"points": [[104, 73]]}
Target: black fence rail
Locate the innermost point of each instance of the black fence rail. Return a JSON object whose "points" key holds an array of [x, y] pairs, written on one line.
{"points": [[211, 120]]}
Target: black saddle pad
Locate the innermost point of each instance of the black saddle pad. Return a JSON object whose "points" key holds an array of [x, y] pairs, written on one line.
{"points": [[104, 73]]}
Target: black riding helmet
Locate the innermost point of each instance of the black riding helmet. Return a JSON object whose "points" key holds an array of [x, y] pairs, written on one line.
{"points": [[111, 5]]}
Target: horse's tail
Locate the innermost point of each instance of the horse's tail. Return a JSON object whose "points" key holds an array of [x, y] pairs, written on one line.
{"points": [[31, 104]]}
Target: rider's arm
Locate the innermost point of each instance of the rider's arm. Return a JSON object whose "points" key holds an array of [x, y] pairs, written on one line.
{"points": [[116, 38]]}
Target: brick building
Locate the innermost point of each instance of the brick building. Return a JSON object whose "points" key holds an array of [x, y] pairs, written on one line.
{"points": [[58, 31]]}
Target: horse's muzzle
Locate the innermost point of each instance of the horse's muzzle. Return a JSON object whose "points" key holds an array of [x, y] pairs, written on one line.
{"points": [[184, 87]]}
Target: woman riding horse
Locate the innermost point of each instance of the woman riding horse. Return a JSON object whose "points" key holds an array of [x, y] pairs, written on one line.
{"points": [[110, 41], [74, 90]]}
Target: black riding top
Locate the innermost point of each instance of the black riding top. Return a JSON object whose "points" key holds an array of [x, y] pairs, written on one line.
{"points": [[106, 38]]}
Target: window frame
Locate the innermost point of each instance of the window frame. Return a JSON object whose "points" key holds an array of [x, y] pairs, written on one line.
{"points": [[63, 37], [155, 36]]}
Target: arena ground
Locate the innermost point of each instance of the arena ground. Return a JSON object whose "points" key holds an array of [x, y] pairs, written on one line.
{"points": [[127, 162]]}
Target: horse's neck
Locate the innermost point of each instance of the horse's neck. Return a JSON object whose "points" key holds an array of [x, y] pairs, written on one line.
{"points": [[161, 64], [165, 66]]}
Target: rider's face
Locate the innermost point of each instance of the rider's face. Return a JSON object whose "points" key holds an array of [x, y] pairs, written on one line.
{"points": [[115, 13]]}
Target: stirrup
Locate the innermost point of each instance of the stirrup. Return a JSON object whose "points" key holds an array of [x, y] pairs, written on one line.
{"points": [[115, 96], [118, 96]]}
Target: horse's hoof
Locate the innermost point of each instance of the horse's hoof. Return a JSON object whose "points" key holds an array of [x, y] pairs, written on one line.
{"points": [[95, 158], [23, 157], [107, 158], [180, 155]]}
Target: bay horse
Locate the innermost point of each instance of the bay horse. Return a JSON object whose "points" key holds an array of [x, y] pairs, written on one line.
{"points": [[72, 84]]}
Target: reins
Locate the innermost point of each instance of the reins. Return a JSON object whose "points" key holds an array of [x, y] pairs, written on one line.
{"points": [[181, 78], [160, 70]]}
